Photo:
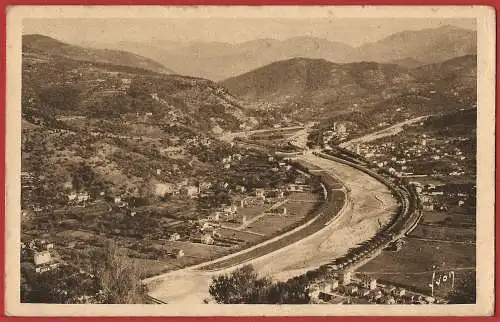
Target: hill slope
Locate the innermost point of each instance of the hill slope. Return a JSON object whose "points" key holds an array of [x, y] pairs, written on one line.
{"points": [[307, 83], [61, 79], [52, 48], [310, 89], [131, 130], [407, 62]]}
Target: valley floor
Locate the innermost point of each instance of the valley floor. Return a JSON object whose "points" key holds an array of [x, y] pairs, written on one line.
{"points": [[370, 203]]}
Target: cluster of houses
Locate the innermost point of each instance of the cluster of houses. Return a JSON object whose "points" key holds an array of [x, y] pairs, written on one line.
{"points": [[344, 289], [337, 133], [40, 252], [199, 141], [208, 227], [183, 188], [435, 197], [78, 198], [407, 157]]}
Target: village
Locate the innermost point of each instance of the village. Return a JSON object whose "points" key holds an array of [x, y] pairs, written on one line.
{"points": [[441, 168], [225, 214], [344, 288]]}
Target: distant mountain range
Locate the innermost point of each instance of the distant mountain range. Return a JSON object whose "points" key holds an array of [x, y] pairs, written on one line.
{"points": [[427, 45], [47, 46], [296, 89], [218, 61]]}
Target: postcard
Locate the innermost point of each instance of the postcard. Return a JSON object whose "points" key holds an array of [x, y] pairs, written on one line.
{"points": [[250, 160]]}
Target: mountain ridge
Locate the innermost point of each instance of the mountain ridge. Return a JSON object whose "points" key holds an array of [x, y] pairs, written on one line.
{"points": [[219, 60], [41, 44], [313, 89]]}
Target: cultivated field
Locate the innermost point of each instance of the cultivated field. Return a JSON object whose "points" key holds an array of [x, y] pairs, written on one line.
{"points": [[245, 236], [412, 266], [443, 241]]}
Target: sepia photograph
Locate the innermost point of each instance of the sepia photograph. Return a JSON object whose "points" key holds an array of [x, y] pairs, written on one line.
{"points": [[291, 160]]}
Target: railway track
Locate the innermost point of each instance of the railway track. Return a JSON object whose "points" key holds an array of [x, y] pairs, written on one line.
{"points": [[401, 224], [152, 300]]}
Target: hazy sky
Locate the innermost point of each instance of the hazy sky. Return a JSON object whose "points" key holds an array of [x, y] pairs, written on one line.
{"points": [[352, 31]]}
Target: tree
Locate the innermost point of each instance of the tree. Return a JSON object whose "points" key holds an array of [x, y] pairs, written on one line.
{"points": [[60, 97], [62, 285], [241, 286], [465, 290], [83, 177], [244, 286], [120, 277]]}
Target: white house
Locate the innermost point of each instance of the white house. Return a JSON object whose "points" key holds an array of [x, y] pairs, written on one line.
{"points": [[83, 196], [175, 236], [179, 253], [162, 189], [346, 278], [214, 217], [241, 188], [216, 233], [261, 193], [231, 209], [205, 185], [41, 258], [371, 284], [207, 239], [190, 191], [204, 225]]}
